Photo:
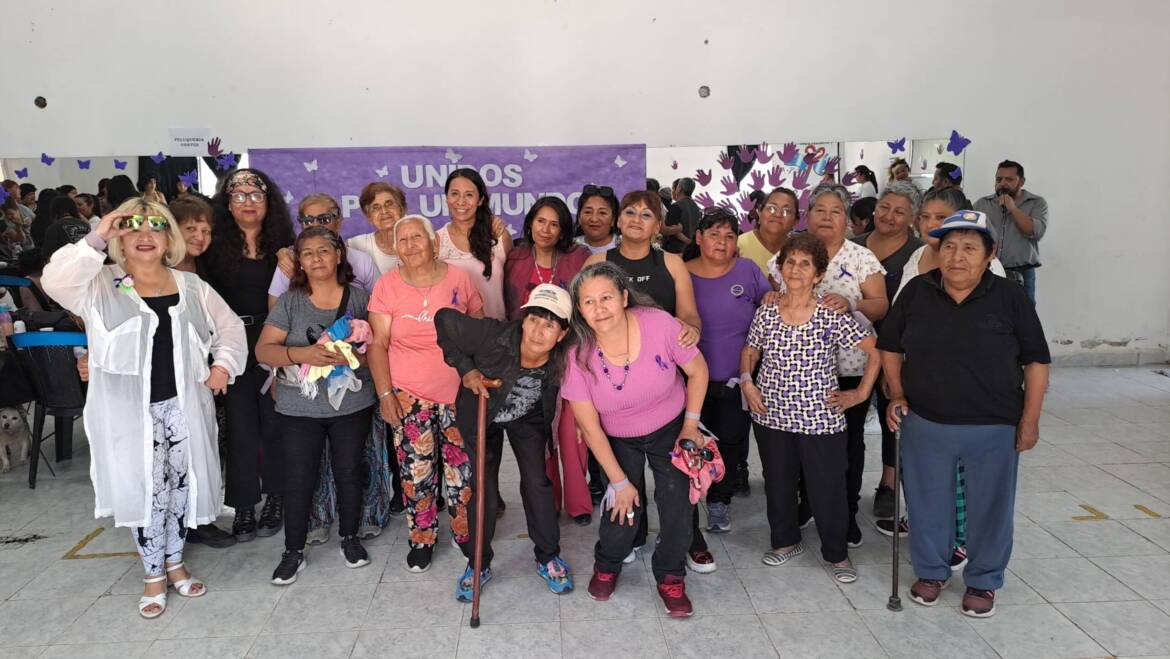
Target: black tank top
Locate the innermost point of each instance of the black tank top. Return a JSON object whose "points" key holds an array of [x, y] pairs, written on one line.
{"points": [[162, 356], [648, 275]]}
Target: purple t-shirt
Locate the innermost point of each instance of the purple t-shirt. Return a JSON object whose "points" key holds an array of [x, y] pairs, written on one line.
{"points": [[727, 305], [654, 393], [798, 368]]}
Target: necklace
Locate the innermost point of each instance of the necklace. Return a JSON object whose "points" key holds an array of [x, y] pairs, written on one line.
{"points": [[625, 367], [551, 270], [423, 316]]}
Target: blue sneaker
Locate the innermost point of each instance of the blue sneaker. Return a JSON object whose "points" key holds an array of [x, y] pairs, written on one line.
{"points": [[463, 589], [556, 574]]}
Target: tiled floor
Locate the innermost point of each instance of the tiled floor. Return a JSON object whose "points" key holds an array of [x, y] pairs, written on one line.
{"points": [[1090, 576]]}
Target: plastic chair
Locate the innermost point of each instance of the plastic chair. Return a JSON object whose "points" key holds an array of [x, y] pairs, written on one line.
{"points": [[48, 362]]}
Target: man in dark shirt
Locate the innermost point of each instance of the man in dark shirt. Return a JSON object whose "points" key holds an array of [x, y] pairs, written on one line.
{"points": [[682, 219]]}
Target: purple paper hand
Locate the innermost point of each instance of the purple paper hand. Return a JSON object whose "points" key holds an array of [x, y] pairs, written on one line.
{"points": [[674, 164], [776, 176], [725, 160], [746, 202], [757, 180], [704, 200], [745, 154], [727, 203], [702, 177], [800, 178], [763, 154], [213, 147], [788, 153], [730, 187], [849, 179], [831, 166]]}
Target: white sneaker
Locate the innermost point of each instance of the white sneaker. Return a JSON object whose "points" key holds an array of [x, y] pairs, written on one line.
{"points": [[632, 556]]}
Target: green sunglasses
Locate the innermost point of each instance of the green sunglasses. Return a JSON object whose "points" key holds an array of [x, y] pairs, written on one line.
{"points": [[155, 222]]}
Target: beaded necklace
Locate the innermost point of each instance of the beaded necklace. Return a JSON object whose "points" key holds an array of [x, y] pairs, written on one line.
{"points": [[625, 367]]}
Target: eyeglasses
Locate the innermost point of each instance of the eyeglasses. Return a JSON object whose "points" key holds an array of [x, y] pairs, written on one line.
{"points": [[155, 222], [600, 190], [254, 197], [323, 219], [773, 209], [388, 207]]}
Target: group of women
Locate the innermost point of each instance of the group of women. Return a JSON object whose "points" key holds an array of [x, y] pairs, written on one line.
{"points": [[589, 343]]}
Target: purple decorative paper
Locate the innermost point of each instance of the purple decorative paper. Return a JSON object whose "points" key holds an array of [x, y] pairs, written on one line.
{"points": [[515, 176]]}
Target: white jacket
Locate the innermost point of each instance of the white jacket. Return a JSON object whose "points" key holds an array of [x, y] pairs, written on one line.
{"points": [[120, 330]]}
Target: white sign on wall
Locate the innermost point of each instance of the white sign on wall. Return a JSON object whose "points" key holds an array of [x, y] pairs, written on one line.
{"points": [[188, 142]]}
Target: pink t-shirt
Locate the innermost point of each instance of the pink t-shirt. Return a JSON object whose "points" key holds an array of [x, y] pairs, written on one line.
{"points": [[652, 396], [416, 361], [492, 289]]}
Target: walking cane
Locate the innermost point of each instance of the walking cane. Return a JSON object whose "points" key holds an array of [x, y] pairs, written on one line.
{"points": [[480, 468], [895, 601]]}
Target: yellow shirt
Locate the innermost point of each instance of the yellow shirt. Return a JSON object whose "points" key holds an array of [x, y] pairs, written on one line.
{"points": [[750, 247]]}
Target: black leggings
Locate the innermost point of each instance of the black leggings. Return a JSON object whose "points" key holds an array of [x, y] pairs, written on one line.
{"points": [[255, 458], [724, 416]]}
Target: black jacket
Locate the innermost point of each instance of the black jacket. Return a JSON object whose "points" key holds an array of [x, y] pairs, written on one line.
{"points": [[493, 347]]}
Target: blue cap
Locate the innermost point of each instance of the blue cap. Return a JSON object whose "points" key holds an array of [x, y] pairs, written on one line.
{"points": [[969, 220]]}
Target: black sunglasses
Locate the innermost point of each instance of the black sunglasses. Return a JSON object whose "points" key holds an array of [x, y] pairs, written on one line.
{"points": [[600, 190], [718, 215]]}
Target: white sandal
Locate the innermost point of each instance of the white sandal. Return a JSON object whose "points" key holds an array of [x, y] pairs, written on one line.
{"points": [[147, 600], [184, 587]]}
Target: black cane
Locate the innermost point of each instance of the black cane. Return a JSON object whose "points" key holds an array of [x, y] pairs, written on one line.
{"points": [[895, 602]]}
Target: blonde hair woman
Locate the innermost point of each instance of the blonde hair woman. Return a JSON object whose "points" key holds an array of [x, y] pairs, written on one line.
{"points": [[149, 415]]}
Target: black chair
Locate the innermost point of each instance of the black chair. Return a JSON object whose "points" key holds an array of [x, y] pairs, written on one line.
{"points": [[47, 360]]}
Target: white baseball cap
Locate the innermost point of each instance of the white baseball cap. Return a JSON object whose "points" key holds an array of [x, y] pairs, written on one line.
{"points": [[553, 298]]}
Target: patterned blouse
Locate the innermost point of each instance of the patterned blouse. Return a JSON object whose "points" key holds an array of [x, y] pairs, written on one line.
{"points": [[798, 368], [852, 265]]}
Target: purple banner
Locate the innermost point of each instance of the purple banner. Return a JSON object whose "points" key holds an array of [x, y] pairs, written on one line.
{"points": [[516, 176]]}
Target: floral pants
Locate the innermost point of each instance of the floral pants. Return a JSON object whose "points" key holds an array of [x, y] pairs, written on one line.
{"points": [[428, 429]]}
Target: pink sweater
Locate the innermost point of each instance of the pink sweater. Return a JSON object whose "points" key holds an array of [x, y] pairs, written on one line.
{"points": [[653, 395]]}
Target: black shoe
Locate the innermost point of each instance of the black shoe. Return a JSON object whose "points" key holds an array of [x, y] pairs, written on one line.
{"points": [[271, 517], [244, 526], [743, 488], [353, 552], [853, 538], [211, 535], [292, 563], [419, 558], [583, 520], [883, 502], [397, 508]]}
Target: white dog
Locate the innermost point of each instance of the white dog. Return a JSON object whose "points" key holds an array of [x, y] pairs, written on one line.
{"points": [[14, 437]]}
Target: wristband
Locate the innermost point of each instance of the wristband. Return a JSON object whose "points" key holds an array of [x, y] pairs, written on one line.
{"points": [[288, 355], [611, 491], [744, 378], [693, 416], [385, 394]]}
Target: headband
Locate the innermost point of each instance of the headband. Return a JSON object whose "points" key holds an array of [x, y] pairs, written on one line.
{"points": [[245, 177]]}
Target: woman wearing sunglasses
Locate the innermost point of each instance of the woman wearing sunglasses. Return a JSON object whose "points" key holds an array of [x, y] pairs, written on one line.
{"points": [[321, 210], [597, 210], [239, 264], [148, 415]]}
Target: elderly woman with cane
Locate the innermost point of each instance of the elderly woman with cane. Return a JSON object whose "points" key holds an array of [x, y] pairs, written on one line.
{"points": [[966, 364]]}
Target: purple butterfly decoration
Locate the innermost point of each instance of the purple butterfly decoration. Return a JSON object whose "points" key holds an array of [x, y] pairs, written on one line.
{"points": [[21, 173], [119, 164], [849, 178], [730, 187], [956, 174], [703, 199], [897, 145], [454, 298], [725, 160], [800, 179], [745, 155], [757, 180], [4, 195], [703, 177], [957, 143], [661, 364], [776, 176], [83, 164], [158, 158], [746, 202], [47, 159], [845, 271], [227, 161], [190, 179], [763, 155], [788, 154]]}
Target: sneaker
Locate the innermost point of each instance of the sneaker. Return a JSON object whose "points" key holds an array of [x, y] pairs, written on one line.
{"points": [[701, 562], [718, 518], [583, 520], [318, 536], [419, 558], [271, 517], [979, 603], [211, 535], [926, 591], [883, 502], [886, 527], [673, 591], [353, 552], [397, 508], [743, 488], [633, 555], [464, 588], [292, 563], [602, 585], [853, 539], [958, 559], [556, 575], [244, 526]]}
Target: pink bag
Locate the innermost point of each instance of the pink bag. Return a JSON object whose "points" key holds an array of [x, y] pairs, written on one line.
{"points": [[702, 465]]}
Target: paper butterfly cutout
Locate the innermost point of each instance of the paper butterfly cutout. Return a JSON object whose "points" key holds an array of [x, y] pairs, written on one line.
{"points": [[382, 172], [227, 161], [897, 145], [190, 179], [619, 161], [452, 157], [47, 159], [21, 173], [83, 164], [119, 164], [310, 166], [158, 158], [530, 156], [957, 143]]}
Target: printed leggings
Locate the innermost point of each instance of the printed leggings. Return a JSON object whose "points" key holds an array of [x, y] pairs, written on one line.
{"points": [[161, 543]]}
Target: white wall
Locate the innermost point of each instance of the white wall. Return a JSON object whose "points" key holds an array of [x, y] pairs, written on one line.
{"points": [[1075, 90]]}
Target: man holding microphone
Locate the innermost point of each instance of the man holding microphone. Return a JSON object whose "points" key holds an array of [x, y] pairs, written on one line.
{"points": [[1019, 220]]}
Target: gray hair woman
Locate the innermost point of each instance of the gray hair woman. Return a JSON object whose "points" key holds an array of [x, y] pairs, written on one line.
{"points": [[971, 395]]}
